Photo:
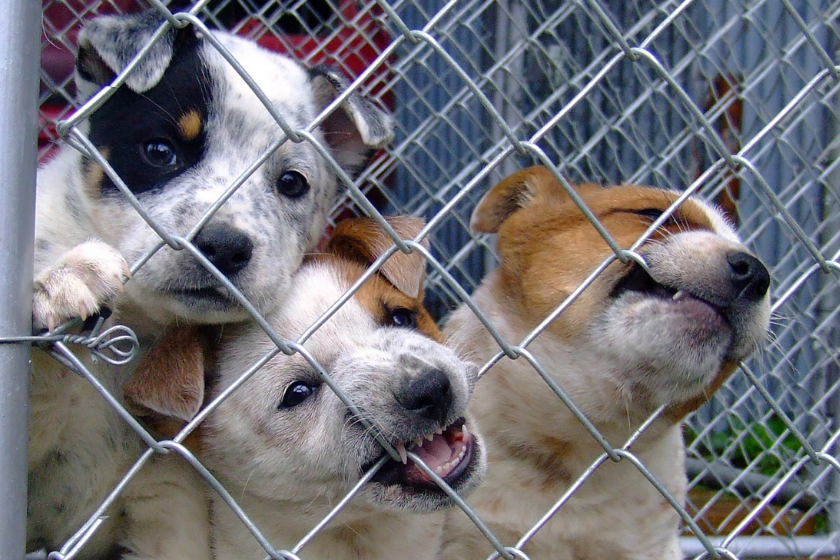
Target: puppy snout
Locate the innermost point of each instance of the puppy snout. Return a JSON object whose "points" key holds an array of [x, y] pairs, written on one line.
{"points": [[748, 275], [229, 249], [428, 396]]}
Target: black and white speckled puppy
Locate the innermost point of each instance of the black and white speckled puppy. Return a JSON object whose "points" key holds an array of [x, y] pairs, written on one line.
{"points": [[179, 133]]}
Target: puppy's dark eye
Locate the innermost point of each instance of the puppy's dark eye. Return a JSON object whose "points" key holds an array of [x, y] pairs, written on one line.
{"points": [[654, 214], [403, 318], [651, 214], [159, 153], [296, 393], [292, 184]]}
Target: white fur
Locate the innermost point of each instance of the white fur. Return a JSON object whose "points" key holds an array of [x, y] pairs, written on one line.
{"points": [[78, 447], [288, 468]]}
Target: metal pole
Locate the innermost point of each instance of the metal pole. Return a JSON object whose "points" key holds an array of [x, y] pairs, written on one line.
{"points": [[20, 32]]}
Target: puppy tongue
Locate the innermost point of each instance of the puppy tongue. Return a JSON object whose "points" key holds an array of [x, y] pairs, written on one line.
{"points": [[434, 453]]}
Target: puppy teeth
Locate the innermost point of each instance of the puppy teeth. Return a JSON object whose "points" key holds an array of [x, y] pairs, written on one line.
{"points": [[465, 431], [439, 431], [678, 295], [401, 450], [430, 437], [446, 467], [418, 442]]}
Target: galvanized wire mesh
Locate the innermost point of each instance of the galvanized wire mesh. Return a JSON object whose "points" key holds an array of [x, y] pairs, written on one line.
{"points": [[737, 100]]}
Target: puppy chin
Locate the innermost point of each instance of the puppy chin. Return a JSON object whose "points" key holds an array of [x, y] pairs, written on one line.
{"points": [[673, 349], [167, 307], [748, 324]]}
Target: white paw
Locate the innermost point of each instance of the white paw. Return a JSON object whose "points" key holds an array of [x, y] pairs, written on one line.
{"points": [[79, 284]]}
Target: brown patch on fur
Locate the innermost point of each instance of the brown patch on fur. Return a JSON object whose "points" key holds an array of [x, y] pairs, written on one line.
{"points": [[494, 506], [190, 125], [169, 381], [676, 412], [93, 175], [549, 461], [167, 428], [363, 240], [545, 455], [379, 296], [356, 244], [548, 247]]}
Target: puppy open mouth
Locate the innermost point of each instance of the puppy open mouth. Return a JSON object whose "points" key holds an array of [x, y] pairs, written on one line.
{"points": [[448, 453], [639, 281]]}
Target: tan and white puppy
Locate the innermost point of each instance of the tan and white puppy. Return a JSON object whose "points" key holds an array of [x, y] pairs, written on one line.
{"points": [[288, 449], [631, 342]]}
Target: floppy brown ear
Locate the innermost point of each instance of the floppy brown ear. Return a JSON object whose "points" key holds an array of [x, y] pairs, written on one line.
{"points": [[363, 240], [523, 188], [169, 380]]}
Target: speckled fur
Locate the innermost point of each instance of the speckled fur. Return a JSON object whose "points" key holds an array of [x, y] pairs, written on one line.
{"points": [[78, 448]]}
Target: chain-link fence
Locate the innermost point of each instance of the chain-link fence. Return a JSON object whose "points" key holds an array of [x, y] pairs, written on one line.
{"points": [[738, 100]]}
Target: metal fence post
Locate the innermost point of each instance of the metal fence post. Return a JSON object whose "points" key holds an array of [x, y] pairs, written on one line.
{"points": [[19, 55]]}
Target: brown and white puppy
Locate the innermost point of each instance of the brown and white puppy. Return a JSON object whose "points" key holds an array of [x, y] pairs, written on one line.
{"points": [[632, 342], [288, 449]]}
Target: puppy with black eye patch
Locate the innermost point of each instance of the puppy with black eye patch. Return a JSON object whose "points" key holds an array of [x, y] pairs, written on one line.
{"points": [[288, 449], [180, 133], [636, 339]]}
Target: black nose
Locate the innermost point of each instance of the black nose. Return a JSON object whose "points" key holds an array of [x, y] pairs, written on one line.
{"points": [[429, 396], [749, 276], [227, 248]]}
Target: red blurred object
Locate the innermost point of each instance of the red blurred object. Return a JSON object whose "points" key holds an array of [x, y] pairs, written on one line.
{"points": [[353, 46]]}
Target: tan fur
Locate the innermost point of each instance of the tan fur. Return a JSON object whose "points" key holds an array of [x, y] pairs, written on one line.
{"points": [[378, 295], [364, 241], [94, 174], [170, 381], [190, 125], [596, 351]]}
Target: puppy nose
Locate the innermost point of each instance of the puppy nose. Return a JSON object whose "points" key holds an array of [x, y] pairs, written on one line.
{"points": [[749, 276], [227, 248], [429, 396]]}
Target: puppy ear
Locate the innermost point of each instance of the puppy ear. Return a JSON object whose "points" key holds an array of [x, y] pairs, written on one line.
{"points": [[521, 189], [355, 130], [363, 240], [108, 43], [169, 380]]}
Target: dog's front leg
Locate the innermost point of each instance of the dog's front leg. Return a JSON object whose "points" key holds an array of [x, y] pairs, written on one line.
{"points": [[77, 286], [76, 452]]}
